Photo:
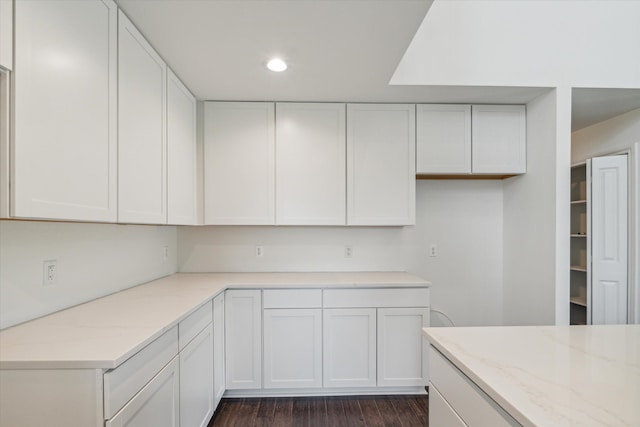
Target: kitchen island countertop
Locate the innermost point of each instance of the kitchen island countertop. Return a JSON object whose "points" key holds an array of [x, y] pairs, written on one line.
{"points": [[551, 375]]}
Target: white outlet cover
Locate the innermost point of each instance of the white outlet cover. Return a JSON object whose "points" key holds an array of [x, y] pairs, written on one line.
{"points": [[49, 272]]}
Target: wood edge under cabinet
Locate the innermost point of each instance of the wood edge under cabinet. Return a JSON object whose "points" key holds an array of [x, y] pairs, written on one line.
{"points": [[422, 176]]}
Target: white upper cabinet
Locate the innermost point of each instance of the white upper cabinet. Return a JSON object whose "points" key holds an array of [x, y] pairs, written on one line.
{"points": [[142, 195], [6, 34], [499, 139], [464, 139], [239, 163], [65, 134], [310, 164], [381, 164], [443, 139], [182, 200]]}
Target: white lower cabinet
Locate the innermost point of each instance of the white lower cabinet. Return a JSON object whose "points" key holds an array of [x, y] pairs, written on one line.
{"points": [[293, 348], [243, 339], [349, 352], [459, 401], [157, 404], [401, 349], [440, 412], [196, 380], [218, 349]]}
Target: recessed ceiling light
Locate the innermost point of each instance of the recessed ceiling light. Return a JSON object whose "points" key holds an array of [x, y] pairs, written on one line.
{"points": [[277, 65]]}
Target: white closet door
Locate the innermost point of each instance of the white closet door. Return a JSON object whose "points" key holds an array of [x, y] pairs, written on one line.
{"points": [[609, 239], [310, 164]]}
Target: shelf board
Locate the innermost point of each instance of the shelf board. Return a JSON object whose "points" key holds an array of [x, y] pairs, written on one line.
{"points": [[578, 268], [578, 202], [582, 301], [578, 235]]}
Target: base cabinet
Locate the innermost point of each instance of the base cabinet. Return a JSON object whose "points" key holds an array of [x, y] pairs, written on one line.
{"points": [[349, 347], [293, 348], [401, 349], [218, 349], [157, 404], [196, 380], [243, 339], [440, 412], [458, 398]]}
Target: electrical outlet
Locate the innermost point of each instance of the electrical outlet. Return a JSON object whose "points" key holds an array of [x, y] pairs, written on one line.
{"points": [[433, 250], [49, 272], [348, 251], [259, 251], [165, 253]]}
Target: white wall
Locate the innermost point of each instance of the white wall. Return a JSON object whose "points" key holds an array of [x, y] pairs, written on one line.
{"points": [[525, 43], [617, 134], [464, 218], [93, 260], [530, 221]]}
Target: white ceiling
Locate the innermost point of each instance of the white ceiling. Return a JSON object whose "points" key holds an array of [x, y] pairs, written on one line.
{"points": [[337, 50]]}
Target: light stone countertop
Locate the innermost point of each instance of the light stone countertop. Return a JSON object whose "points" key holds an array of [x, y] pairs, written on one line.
{"points": [[105, 332], [552, 375]]}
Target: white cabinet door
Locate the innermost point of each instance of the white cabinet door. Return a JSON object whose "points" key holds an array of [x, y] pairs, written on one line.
{"points": [[381, 148], [443, 139], [157, 404], [292, 348], [142, 196], [6, 34], [239, 163], [196, 380], [349, 352], [310, 164], [218, 349], [182, 200], [65, 133], [243, 341], [609, 234], [402, 352], [499, 137]]}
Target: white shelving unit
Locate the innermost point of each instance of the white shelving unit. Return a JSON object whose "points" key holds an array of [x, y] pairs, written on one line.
{"points": [[580, 275]]}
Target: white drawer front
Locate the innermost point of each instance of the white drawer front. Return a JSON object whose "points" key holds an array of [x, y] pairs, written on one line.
{"points": [[473, 405], [123, 382], [440, 412], [379, 297], [194, 323], [292, 298]]}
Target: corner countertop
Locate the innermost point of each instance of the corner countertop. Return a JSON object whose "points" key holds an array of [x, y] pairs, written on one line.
{"points": [[552, 375], [103, 333]]}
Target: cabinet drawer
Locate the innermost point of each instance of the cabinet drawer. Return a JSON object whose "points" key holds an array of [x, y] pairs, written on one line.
{"points": [[156, 404], [382, 297], [440, 412], [194, 323], [292, 298], [123, 382], [473, 405]]}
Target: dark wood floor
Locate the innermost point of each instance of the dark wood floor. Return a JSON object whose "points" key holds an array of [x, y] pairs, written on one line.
{"points": [[401, 411]]}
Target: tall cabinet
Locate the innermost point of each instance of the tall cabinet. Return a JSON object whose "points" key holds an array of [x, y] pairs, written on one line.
{"points": [[599, 241]]}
